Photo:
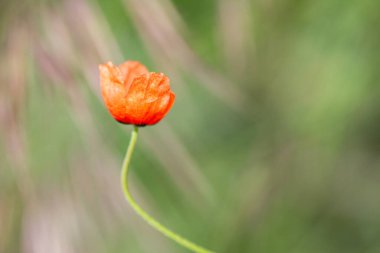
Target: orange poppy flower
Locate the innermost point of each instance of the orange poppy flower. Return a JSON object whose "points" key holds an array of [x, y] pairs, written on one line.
{"points": [[133, 95]]}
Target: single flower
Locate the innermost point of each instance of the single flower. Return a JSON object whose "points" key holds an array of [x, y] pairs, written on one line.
{"points": [[133, 95]]}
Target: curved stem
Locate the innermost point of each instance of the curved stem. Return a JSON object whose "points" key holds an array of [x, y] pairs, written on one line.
{"points": [[150, 220]]}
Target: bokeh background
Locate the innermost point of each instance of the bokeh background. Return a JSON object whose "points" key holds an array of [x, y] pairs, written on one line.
{"points": [[272, 145]]}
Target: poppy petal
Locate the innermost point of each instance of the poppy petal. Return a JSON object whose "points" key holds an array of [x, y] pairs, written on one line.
{"points": [[134, 96]]}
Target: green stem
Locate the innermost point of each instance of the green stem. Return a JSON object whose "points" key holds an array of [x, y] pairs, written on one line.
{"points": [[150, 220]]}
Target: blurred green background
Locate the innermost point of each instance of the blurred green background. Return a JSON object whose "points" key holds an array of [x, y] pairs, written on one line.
{"points": [[272, 144]]}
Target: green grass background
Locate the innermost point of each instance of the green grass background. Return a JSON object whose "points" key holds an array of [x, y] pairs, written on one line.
{"points": [[272, 145]]}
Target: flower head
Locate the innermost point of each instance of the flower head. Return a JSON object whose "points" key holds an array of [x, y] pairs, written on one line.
{"points": [[133, 95]]}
